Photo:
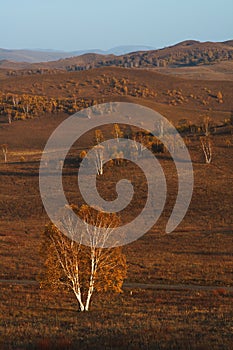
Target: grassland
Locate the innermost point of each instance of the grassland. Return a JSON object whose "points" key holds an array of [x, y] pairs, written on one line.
{"points": [[199, 253]]}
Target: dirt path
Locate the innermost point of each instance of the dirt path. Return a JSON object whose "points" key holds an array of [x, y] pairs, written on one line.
{"points": [[134, 285]]}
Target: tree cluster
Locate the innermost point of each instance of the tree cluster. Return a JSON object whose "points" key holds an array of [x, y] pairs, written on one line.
{"points": [[15, 106]]}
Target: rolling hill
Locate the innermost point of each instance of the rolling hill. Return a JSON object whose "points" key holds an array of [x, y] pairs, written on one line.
{"points": [[33, 56], [190, 59], [67, 92]]}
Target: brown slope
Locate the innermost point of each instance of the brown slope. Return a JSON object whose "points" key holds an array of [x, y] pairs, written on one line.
{"points": [[6, 64], [182, 54], [32, 55], [88, 60], [177, 97], [228, 42], [186, 53], [218, 71]]}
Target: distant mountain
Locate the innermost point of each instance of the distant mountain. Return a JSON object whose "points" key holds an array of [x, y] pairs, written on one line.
{"points": [[189, 53], [186, 43], [118, 50], [31, 56], [184, 54], [46, 55], [228, 42], [122, 50]]}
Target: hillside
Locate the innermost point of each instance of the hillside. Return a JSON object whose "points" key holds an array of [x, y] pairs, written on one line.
{"points": [[217, 71], [197, 256], [33, 56], [188, 53], [25, 97], [183, 280]]}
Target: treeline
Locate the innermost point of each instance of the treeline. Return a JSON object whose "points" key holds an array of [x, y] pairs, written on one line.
{"points": [[24, 106], [152, 59], [184, 54], [15, 107], [36, 71]]}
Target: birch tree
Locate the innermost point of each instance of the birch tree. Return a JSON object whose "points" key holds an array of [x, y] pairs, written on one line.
{"points": [[207, 148], [84, 269], [5, 151], [99, 159], [117, 133], [118, 155], [141, 143], [9, 115], [99, 137], [206, 125], [159, 128]]}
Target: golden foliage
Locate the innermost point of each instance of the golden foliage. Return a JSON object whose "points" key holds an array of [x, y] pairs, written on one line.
{"points": [[25, 106], [70, 264]]}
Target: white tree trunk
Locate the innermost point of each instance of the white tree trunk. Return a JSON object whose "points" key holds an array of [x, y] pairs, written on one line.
{"points": [[89, 295], [79, 298], [207, 150], [4, 151], [99, 160], [92, 278]]}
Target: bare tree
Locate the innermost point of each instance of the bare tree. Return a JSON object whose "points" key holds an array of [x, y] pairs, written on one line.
{"points": [[84, 269], [5, 151], [206, 124], [161, 128], [118, 155], [9, 116], [141, 143], [99, 159], [207, 148]]}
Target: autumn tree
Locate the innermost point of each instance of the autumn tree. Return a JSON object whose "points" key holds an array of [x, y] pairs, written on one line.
{"points": [[9, 116], [82, 154], [83, 269], [159, 128], [142, 141], [5, 151], [117, 133], [99, 137], [206, 125], [207, 148], [99, 159], [219, 97], [117, 155]]}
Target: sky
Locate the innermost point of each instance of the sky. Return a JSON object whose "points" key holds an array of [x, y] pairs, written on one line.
{"points": [[102, 24]]}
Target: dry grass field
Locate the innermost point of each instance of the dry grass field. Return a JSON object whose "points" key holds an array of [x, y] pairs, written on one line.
{"points": [[196, 260], [143, 319]]}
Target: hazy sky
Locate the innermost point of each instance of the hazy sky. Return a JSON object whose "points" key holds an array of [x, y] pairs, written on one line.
{"points": [[86, 24]]}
